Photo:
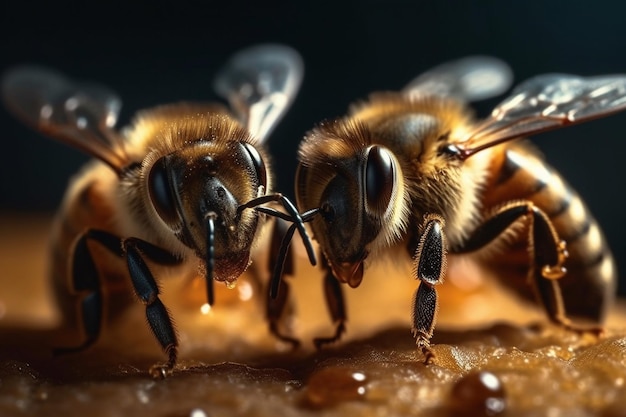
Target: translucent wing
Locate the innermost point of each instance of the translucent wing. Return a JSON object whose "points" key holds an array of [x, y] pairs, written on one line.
{"points": [[544, 103], [81, 115], [470, 79], [260, 83]]}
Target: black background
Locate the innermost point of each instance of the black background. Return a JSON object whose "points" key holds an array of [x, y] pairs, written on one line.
{"points": [[169, 50]]}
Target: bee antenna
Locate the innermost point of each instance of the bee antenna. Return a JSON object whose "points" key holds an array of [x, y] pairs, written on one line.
{"points": [[284, 247], [210, 256], [291, 216]]}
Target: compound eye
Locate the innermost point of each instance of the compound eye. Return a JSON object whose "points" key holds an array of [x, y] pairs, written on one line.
{"points": [[259, 165], [379, 179], [161, 192]]}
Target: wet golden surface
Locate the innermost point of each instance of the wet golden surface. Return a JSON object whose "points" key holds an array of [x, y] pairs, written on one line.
{"points": [[230, 365]]}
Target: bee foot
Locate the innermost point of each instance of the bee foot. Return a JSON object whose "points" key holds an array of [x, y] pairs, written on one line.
{"points": [[319, 342], [567, 324], [161, 371], [429, 355], [292, 341]]}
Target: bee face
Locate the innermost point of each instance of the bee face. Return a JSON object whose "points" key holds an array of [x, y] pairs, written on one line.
{"points": [[210, 180], [201, 167], [343, 228], [356, 188]]}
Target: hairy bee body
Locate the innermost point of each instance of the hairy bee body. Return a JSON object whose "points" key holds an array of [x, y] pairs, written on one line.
{"points": [[519, 172], [185, 186], [513, 171], [413, 172], [98, 199]]}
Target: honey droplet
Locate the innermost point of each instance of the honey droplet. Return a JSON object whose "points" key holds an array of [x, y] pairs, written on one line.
{"points": [[330, 386], [478, 394]]}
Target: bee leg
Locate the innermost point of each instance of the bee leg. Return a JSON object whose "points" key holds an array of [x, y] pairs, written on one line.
{"points": [[547, 254], [335, 304], [147, 290], [430, 268], [84, 279], [280, 309]]}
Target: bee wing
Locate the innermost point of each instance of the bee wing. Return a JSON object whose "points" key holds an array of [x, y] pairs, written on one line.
{"points": [[81, 115], [470, 79], [544, 103], [260, 84]]}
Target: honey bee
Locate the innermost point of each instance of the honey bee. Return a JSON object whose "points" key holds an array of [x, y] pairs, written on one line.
{"points": [[186, 186], [413, 171]]}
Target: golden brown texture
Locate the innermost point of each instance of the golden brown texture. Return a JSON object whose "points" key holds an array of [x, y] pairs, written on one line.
{"points": [[231, 366]]}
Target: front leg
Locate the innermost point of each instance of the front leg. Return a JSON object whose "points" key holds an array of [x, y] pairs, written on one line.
{"points": [[147, 290], [335, 304], [430, 268], [279, 305]]}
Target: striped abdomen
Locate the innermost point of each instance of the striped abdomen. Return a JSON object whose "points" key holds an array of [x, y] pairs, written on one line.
{"points": [[519, 173]]}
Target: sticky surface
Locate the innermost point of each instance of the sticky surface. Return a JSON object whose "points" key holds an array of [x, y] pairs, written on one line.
{"points": [[230, 365]]}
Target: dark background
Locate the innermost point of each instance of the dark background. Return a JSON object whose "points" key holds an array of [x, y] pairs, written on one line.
{"points": [[169, 50]]}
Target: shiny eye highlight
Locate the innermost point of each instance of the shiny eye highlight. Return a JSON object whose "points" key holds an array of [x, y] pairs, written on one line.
{"points": [[379, 179], [161, 193]]}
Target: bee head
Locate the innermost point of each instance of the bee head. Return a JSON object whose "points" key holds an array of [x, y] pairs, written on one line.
{"points": [[357, 187], [196, 192]]}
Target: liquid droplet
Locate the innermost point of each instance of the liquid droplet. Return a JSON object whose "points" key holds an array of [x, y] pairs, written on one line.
{"points": [[205, 309], [197, 412], [478, 394], [330, 386]]}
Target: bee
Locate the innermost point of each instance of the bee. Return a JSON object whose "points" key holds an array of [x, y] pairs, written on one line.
{"points": [[413, 173], [185, 186]]}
